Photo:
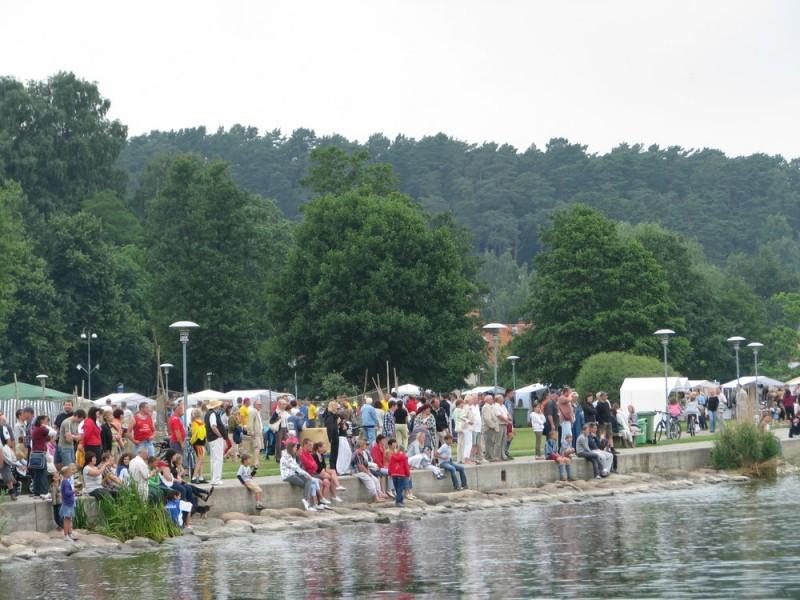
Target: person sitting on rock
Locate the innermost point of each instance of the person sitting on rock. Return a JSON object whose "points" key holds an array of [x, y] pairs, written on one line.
{"points": [[445, 455], [583, 450], [323, 472], [245, 476], [599, 445], [361, 470], [561, 458], [293, 474], [419, 458], [306, 459], [379, 458]]}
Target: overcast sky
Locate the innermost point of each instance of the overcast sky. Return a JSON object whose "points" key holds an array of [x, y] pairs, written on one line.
{"points": [[720, 74]]}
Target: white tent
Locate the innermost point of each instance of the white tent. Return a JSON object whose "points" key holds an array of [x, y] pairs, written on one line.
{"points": [[751, 379], [205, 395], [647, 393], [795, 381], [702, 384], [408, 389], [484, 389], [524, 395], [131, 400]]}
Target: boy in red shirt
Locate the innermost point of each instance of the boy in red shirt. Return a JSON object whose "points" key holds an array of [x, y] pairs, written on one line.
{"points": [[399, 471]]}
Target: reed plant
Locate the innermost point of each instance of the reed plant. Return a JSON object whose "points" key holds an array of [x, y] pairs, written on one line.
{"points": [[743, 446], [128, 516]]}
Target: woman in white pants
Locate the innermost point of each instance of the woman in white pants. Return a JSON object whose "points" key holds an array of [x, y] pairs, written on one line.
{"points": [[462, 417]]}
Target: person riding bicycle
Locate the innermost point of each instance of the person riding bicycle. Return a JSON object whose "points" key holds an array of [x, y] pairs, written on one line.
{"points": [[674, 409], [692, 413]]}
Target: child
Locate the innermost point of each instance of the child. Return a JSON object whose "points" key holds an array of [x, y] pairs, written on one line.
{"points": [[537, 421], [563, 462], [173, 506], [67, 510], [245, 475], [399, 471], [55, 492]]}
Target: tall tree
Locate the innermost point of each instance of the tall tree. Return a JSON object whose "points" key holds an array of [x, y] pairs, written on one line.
{"points": [[592, 292], [57, 141], [368, 280], [212, 248]]}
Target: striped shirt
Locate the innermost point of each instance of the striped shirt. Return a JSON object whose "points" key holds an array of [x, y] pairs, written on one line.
{"points": [[388, 425]]}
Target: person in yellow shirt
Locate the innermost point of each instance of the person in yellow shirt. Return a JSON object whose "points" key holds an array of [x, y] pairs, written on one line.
{"points": [[312, 414], [244, 411], [384, 404]]}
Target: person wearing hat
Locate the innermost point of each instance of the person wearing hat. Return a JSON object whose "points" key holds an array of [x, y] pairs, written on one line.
{"points": [[216, 435]]}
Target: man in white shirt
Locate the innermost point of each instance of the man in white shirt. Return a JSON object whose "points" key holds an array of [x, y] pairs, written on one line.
{"points": [[140, 472], [478, 448], [216, 434]]}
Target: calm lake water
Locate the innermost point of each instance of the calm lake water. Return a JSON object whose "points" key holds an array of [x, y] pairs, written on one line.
{"points": [[710, 542]]}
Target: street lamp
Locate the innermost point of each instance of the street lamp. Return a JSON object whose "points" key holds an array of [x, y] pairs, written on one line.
{"points": [[293, 367], [495, 329], [513, 358], [755, 347], [664, 335], [209, 374], [42, 379], [166, 367], [89, 336], [736, 342], [183, 328]]}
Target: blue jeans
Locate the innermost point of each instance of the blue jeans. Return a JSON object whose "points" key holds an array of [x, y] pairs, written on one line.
{"points": [[453, 469], [712, 420], [64, 456], [369, 432], [151, 449], [399, 487]]}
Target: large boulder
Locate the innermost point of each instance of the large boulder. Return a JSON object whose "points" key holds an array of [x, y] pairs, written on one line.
{"points": [[25, 538], [233, 516], [239, 526]]}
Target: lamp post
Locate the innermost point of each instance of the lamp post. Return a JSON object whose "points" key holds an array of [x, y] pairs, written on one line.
{"points": [[209, 375], [42, 379], [88, 336], [755, 347], [664, 335], [293, 367], [513, 358], [495, 329], [166, 367], [736, 342], [183, 328]]}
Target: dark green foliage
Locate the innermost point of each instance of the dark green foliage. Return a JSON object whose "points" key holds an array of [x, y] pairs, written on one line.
{"points": [[369, 280], [593, 291], [743, 446]]}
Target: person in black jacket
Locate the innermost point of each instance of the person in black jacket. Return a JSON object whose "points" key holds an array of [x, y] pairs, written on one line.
{"points": [[712, 406], [603, 416], [589, 412], [331, 421]]}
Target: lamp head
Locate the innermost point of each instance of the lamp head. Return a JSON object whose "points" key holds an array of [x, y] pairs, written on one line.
{"points": [[41, 377], [94, 336], [736, 341], [184, 325], [513, 358], [166, 366], [83, 335], [79, 366], [664, 335], [494, 328], [755, 346]]}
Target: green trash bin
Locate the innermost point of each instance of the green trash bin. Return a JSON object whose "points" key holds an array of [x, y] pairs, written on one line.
{"points": [[650, 426], [641, 437], [520, 417]]}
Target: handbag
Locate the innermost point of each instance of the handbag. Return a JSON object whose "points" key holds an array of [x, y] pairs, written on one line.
{"points": [[37, 461]]}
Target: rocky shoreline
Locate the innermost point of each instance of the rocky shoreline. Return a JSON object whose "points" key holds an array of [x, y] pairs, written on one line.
{"points": [[32, 545]]}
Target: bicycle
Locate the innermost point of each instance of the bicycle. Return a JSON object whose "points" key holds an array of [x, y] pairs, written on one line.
{"points": [[667, 425], [691, 424]]}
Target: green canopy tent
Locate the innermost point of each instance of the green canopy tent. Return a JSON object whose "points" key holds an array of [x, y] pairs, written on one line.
{"points": [[27, 391]]}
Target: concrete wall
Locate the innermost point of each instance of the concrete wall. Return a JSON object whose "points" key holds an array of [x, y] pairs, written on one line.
{"points": [[27, 514]]}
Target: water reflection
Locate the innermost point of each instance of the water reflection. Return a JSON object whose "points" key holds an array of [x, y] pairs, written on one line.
{"points": [[710, 542]]}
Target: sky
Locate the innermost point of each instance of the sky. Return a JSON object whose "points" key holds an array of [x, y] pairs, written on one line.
{"points": [[719, 74]]}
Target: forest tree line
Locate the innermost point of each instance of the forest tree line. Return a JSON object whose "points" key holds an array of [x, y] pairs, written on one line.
{"points": [[125, 235]]}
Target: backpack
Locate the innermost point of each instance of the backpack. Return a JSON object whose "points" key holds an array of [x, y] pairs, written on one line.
{"points": [[198, 434]]}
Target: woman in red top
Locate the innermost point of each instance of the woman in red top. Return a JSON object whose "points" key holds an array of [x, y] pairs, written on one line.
{"points": [[40, 433], [91, 433]]}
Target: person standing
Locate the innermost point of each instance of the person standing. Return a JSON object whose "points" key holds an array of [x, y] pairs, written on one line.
{"points": [[64, 414], [603, 409], [712, 406], [491, 428], [589, 412], [478, 441], [389, 424], [216, 435], [537, 421], [401, 424], [551, 414], [369, 421], [255, 433], [40, 433], [399, 471], [143, 431], [177, 431], [68, 438], [92, 439]]}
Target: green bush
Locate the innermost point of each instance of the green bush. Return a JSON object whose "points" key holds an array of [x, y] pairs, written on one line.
{"points": [[607, 370], [127, 516], [742, 446]]}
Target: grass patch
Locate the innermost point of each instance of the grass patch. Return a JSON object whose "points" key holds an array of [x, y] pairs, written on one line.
{"points": [[742, 446]]}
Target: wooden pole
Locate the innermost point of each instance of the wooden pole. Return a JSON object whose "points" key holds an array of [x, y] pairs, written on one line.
{"points": [[366, 373], [396, 382], [16, 387], [388, 380]]}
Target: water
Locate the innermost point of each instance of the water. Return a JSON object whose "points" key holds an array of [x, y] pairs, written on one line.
{"points": [[710, 542]]}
